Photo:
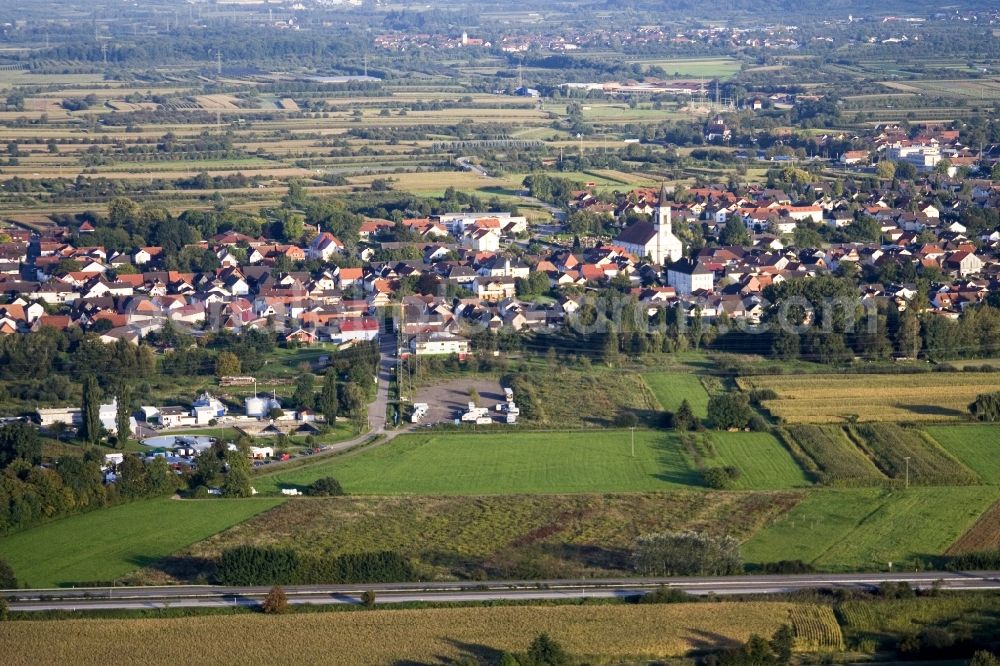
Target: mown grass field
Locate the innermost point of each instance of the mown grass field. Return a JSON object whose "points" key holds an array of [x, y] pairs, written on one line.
{"points": [[671, 388], [763, 462], [977, 446], [865, 529], [105, 544], [402, 636], [708, 67], [839, 398], [909, 454], [501, 536], [526, 462], [841, 463]]}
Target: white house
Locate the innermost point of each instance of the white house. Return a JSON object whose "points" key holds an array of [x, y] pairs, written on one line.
{"points": [[687, 277], [324, 246], [427, 344], [362, 329]]}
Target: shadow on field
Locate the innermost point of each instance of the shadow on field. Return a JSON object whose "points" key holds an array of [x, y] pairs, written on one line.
{"points": [[181, 567], [709, 640], [481, 653], [590, 556], [933, 410], [669, 455]]}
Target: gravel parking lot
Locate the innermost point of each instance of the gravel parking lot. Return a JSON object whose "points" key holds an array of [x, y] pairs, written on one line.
{"points": [[446, 400]]}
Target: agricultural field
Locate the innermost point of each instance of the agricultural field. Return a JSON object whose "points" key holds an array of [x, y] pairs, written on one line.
{"points": [[865, 529], [105, 544], [405, 636], [701, 67], [973, 89], [977, 446], [502, 463], [840, 462], [937, 396], [764, 464], [883, 621], [594, 398], [910, 455], [672, 388], [983, 535], [511, 536]]}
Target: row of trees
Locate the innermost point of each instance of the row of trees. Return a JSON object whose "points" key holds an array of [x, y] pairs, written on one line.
{"points": [[258, 565], [31, 494], [687, 554]]}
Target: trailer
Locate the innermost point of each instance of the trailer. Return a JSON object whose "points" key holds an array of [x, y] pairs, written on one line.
{"points": [[419, 411]]}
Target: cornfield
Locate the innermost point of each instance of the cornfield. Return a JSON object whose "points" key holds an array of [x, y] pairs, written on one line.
{"points": [[389, 636], [900, 616], [844, 398], [816, 629]]}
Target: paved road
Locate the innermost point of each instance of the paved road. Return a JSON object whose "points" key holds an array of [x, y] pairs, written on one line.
{"points": [[376, 410], [466, 163], [193, 596]]}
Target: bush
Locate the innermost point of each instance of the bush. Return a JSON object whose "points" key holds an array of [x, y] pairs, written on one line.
{"points": [[757, 423], [257, 565], [325, 487], [544, 651], [729, 410], [276, 601], [759, 395], [986, 407], [891, 590], [787, 567], [683, 419], [368, 598], [8, 581], [721, 478]]}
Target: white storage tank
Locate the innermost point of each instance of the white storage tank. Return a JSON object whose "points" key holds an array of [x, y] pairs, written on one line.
{"points": [[257, 407]]}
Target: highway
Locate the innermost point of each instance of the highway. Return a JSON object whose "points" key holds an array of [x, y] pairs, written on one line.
{"points": [[207, 596]]}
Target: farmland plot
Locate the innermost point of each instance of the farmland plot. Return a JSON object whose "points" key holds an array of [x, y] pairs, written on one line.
{"points": [[405, 636], [865, 529], [764, 464], [907, 453], [840, 462], [978, 446], [843, 398]]}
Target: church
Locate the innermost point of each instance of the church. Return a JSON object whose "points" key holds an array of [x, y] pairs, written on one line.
{"points": [[654, 239]]}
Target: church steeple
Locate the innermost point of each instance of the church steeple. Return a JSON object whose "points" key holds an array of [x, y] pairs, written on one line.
{"points": [[663, 211]]}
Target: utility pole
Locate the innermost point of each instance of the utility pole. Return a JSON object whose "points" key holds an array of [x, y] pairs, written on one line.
{"points": [[633, 440], [218, 63], [104, 52], [907, 459]]}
